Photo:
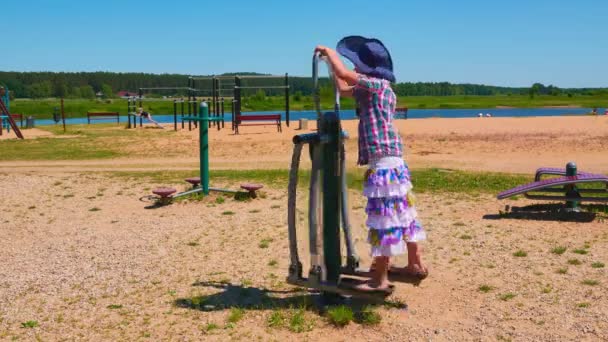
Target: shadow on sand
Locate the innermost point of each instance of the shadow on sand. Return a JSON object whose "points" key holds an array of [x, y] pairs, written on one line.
{"points": [[550, 212], [253, 298]]}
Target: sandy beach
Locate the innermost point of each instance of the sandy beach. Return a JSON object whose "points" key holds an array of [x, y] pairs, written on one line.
{"points": [[84, 256]]}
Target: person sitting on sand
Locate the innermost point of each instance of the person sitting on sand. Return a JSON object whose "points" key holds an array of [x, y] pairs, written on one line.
{"points": [[392, 220], [147, 116]]}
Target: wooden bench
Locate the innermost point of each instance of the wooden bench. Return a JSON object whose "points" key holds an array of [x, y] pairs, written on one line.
{"points": [[401, 113], [102, 116], [18, 117], [275, 119]]}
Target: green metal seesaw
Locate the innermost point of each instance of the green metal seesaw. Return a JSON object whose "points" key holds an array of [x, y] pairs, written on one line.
{"points": [[326, 273], [166, 195]]}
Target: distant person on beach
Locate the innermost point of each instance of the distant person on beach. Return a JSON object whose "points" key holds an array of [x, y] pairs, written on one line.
{"points": [[488, 115], [606, 111], [594, 111], [147, 116], [392, 221], [480, 115]]}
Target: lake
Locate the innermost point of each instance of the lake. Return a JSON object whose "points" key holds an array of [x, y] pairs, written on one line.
{"points": [[412, 114]]}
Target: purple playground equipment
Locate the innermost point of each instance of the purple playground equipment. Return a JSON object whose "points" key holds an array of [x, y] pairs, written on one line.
{"points": [[565, 184]]}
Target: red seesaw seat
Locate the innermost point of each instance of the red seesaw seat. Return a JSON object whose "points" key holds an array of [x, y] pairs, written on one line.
{"points": [[195, 181], [165, 194], [251, 188]]}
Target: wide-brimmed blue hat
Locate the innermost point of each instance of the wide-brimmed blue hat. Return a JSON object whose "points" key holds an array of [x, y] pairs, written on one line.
{"points": [[369, 56]]}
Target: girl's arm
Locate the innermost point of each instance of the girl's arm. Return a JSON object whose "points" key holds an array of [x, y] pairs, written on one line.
{"points": [[345, 89], [340, 70]]}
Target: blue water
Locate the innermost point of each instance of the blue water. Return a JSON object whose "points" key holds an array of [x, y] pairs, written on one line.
{"points": [[350, 114]]}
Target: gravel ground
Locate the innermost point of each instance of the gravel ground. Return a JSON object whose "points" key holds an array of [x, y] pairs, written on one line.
{"points": [[83, 257]]}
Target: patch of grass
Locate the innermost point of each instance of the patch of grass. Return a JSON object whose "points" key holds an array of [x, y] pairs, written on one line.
{"points": [[340, 316], [583, 305], [520, 254], [485, 288], [193, 243], [547, 289], [559, 250], [459, 224], [574, 262], [562, 271], [220, 199], [507, 296], [590, 282], [79, 148], [228, 212], [580, 251], [368, 316], [275, 206], [598, 265], [298, 322], [114, 306], [29, 324], [466, 237], [254, 211], [94, 209], [236, 314], [272, 262], [276, 319], [427, 180], [265, 243], [210, 327]]}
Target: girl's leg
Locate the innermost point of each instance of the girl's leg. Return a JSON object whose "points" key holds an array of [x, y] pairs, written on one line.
{"points": [[414, 267], [152, 120], [379, 276]]}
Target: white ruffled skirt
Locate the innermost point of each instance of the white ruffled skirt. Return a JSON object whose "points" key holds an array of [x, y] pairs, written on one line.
{"points": [[391, 214]]}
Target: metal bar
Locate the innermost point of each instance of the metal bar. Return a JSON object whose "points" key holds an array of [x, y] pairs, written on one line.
{"points": [[566, 198], [222, 112], [204, 149], [168, 88], [175, 115], [571, 189], [62, 115], [561, 190], [331, 197], [295, 266], [316, 264], [237, 95], [287, 99], [262, 87], [352, 259], [260, 76]]}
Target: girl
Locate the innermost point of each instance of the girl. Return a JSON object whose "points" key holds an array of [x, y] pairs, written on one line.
{"points": [[390, 208], [147, 116]]}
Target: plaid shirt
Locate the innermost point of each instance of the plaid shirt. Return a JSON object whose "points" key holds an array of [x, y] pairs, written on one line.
{"points": [[377, 136]]}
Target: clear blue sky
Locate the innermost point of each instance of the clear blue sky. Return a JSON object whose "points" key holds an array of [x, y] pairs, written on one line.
{"points": [[511, 43]]}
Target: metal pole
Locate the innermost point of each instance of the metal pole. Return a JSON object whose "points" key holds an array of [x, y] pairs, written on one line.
{"points": [[222, 112], [129, 111], [175, 114], [331, 196], [62, 115], [571, 189], [141, 105], [237, 95], [287, 99], [204, 148]]}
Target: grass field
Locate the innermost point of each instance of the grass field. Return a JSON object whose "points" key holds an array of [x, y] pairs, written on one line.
{"points": [[77, 108]]}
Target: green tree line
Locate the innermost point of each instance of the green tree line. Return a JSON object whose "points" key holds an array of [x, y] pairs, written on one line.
{"points": [[107, 84]]}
